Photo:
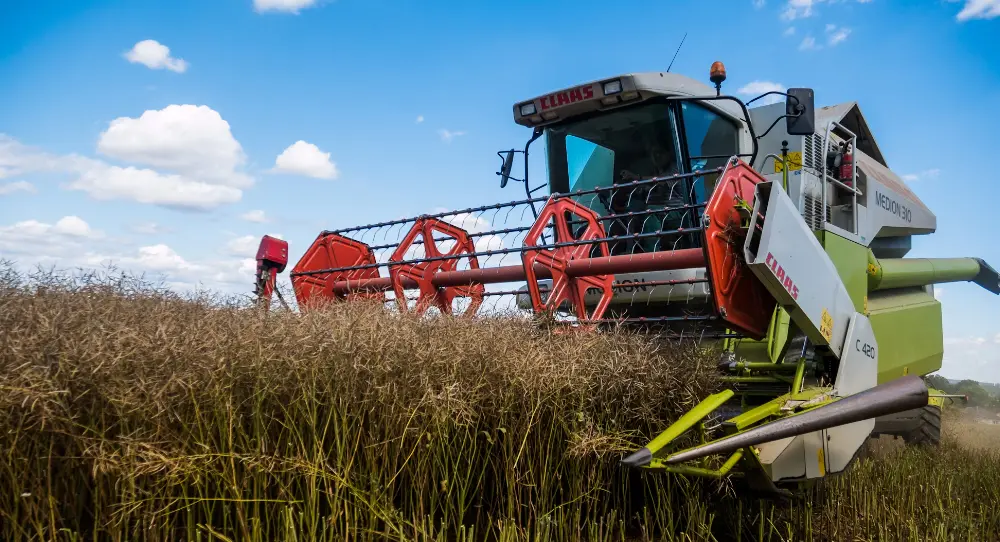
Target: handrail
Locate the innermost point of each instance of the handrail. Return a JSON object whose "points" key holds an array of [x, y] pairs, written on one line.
{"points": [[854, 174]]}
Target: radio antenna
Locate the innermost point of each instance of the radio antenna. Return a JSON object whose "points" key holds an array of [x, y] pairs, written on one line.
{"points": [[677, 51]]}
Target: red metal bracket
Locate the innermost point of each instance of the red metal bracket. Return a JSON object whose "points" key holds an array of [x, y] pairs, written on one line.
{"points": [[332, 251], [272, 256], [564, 286], [423, 271], [739, 297]]}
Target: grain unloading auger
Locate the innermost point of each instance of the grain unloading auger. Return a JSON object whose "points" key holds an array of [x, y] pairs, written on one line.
{"points": [[660, 214]]}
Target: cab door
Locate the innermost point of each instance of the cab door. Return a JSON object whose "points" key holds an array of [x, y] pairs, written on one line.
{"points": [[708, 140]]}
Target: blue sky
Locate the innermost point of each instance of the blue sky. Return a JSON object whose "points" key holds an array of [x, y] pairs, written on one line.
{"points": [[175, 158]]}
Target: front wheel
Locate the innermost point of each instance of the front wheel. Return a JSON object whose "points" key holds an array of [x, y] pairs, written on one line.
{"points": [[928, 429]]}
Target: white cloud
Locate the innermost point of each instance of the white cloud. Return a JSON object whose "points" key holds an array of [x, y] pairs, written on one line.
{"points": [[301, 158], [467, 221], [73, 226], [149, 228], [256, 215], [803, 9], [162, 258], [790, 31], [836, 35], [245, 246], [155, 55], [238, 273], [797, 9], [190, 140], [757, 4], [231, 275], [478, 224], [979, 9], [34, 241], [420, 118], [447, 135], [759, 87], [148, 186], [198, 161], [16, 186], [490, 242], [976, 358], [756, 88], [808, 43], [19, 159], [287, 6], [71, 243], [925, 174]]}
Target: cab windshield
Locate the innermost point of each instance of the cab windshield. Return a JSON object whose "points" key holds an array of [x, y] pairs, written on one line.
{"points": [[636, 143]]}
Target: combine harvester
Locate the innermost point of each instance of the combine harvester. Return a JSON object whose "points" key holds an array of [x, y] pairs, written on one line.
{"points": [[667, 210]]}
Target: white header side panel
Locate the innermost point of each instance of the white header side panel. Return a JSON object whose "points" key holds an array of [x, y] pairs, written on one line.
{"points": [[796, 270], [858, 369], [857, 372]]}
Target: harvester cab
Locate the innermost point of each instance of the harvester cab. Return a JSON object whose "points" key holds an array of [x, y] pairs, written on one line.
{"points": [[603, 139], [664, 208]]}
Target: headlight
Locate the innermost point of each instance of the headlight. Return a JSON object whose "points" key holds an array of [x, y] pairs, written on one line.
{"points": [[528, 109], [612, 87]]}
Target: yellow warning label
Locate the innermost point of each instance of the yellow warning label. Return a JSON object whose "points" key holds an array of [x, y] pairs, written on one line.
{"points": [[794, 162], [906, 371], [826, 325], [866, 306], [872, 269], [822, 463]]}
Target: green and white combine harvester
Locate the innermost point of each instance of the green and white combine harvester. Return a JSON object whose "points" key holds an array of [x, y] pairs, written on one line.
{"points": [[669, 209]]}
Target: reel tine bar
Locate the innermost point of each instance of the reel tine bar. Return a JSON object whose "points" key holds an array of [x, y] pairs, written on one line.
{"points": [[446, 258], [560, 211]]}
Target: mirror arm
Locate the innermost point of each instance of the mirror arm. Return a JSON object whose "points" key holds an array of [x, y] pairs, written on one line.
{"points": [[768, 93], [537, 134], [761, 136]]}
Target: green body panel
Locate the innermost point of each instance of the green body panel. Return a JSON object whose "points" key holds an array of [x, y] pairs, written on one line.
{"points": [[851, 260], [771, 348], [891, 273], [935, 401], [757, 414], [907, 326], [752, 351]]}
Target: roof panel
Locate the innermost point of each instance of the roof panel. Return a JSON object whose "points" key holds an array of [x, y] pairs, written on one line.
{"points": [[849, 114]]}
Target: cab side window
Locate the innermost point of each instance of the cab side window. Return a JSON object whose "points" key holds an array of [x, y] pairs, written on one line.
{"points": [[708, 134], [711, 139]]}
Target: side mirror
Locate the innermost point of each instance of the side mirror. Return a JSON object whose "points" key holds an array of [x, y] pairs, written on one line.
{"points": [[801, 110], [508, 163]]}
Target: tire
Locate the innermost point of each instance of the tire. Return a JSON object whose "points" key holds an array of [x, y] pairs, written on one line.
{"points": [[928, 430]]}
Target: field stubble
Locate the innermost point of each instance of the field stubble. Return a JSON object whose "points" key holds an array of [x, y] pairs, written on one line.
{"points": [[130, 413]]}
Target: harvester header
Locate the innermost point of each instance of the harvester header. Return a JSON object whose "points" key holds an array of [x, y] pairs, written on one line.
{"points": [[666, 209]]}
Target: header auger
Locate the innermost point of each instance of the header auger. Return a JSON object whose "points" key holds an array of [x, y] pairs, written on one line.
{"points": [[660, 214]]}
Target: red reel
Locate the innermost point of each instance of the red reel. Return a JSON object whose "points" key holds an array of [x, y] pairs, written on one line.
{"points": [[559, 212], [328, 252], [423, 271]]}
